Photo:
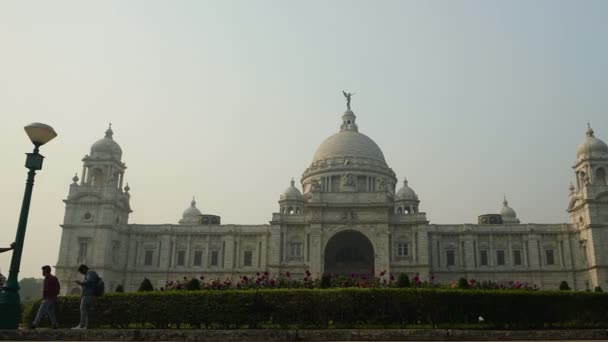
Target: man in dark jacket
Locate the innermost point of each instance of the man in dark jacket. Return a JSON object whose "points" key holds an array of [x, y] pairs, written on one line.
{"points": [[89, 287], [50, 291]]}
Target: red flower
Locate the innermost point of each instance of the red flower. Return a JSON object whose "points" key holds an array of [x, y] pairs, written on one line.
{"points": [[382, 273], [266, 273], [287, 274], [307, 273], [271, 282], [202, 277], [352, 275]]}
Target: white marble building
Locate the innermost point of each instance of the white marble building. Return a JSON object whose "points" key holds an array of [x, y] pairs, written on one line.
{"points": [[352, 215]]}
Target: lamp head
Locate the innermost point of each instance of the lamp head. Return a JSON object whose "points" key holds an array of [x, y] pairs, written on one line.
{"points": [[40, 133]]}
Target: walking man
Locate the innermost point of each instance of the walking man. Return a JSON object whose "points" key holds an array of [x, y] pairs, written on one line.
{"points": [[89, 287], [50, 291]]}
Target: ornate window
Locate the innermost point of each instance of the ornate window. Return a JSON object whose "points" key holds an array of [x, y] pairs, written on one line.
{"points": [[450, 258], [550, 257], [402, 249], [198, 258], [215, 256], [517, 257], [248, 258], [148, 257], [500, 257], [483, 258], [181, 258], [82, 251], [295, 249]]}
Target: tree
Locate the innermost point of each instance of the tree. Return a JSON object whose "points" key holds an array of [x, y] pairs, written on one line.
{"points": [[193, 285], [30, 288], [463, 283], [146, 285], [119, 288], [403, 280], [598, 289], [563, 286]]}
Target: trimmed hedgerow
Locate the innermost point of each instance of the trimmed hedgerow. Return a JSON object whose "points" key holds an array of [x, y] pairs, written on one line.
{"points": [[352, 307]]}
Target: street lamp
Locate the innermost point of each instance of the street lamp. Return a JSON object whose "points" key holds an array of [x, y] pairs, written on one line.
{"points": [[10, 305]]}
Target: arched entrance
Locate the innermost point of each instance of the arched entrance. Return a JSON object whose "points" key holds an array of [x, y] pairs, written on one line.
{"points": [[349, 252]]}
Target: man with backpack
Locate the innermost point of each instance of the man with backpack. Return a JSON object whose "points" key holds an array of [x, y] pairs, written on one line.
{"points": [[92, 286]]}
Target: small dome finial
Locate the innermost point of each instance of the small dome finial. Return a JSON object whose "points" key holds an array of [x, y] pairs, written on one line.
{"points": [[127, 188], [504, 201], [193, 203], [75, 178], [292, 182], [571, 187], [109, 132], [404, 181]]}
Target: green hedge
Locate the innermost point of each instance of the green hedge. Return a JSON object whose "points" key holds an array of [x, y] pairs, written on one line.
{"points": [[341, 308]]}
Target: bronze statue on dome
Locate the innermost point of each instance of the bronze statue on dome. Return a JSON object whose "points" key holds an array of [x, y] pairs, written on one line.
{"points": [[348, 96]]}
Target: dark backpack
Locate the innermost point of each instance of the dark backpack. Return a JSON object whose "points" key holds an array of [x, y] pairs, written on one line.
{"points": [[100, 288]]}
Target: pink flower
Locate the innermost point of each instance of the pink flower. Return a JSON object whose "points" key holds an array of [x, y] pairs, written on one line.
{"points": [[352, 275]]}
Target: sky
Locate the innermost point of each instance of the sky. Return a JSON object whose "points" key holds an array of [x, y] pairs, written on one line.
{"points": [[227, 100]]}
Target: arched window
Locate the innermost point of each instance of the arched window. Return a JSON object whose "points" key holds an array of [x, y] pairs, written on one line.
{"points": [[97, 177], [298, 210], [290, 210], [600, 176], [399, 210]]}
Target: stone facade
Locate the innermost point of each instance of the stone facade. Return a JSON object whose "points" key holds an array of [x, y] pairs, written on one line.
{"points": [[349, 218]]}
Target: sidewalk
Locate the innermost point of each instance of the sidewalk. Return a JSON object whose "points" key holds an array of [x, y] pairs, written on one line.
{"points": [[300, 335]]}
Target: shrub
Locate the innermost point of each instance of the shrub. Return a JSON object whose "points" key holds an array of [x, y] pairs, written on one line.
{"points": [[598, 289], [325, 281], [463, 283], [193, 285], [403, 280], [351, 307], [563, 286], [146, 285], [119, 289]]}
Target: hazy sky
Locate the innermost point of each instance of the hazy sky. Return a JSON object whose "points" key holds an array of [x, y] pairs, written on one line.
{"points": [[227, 100]]}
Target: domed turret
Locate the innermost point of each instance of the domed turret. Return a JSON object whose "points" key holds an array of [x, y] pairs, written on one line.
{"points": [[507, 213], [406, 200], [292, 193], [406, 193], [591, 146], [191, 215], [291, 201], [106, 147]]}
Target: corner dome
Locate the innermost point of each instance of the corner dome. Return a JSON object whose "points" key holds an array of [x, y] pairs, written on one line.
{"points": [[406, 193], [106, 146], [507, 213], [292, 193], [192, 211], [591, 146]]}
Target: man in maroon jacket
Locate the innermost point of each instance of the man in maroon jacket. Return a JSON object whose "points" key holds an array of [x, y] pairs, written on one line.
{"points": [[50, 291]]}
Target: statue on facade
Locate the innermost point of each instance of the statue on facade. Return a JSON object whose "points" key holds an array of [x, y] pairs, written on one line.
{"points": [[315, 186], [380, 184], [348, 96], [348, 180]]}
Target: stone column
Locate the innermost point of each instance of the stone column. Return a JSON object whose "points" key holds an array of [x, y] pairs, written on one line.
{"points": [[316, 251]]}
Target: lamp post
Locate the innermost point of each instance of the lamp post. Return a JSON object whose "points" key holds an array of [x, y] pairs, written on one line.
{"points": [[10, 305]]}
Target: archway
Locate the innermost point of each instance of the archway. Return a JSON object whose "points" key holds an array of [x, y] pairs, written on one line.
{"points": [[349, 252]]}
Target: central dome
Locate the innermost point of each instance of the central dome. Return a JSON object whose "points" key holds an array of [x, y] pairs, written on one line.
{"points": [[349, 144]]}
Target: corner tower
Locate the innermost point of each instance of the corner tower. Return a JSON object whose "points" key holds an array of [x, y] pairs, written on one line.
{"points": [[588, 209], [97, 211]]}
